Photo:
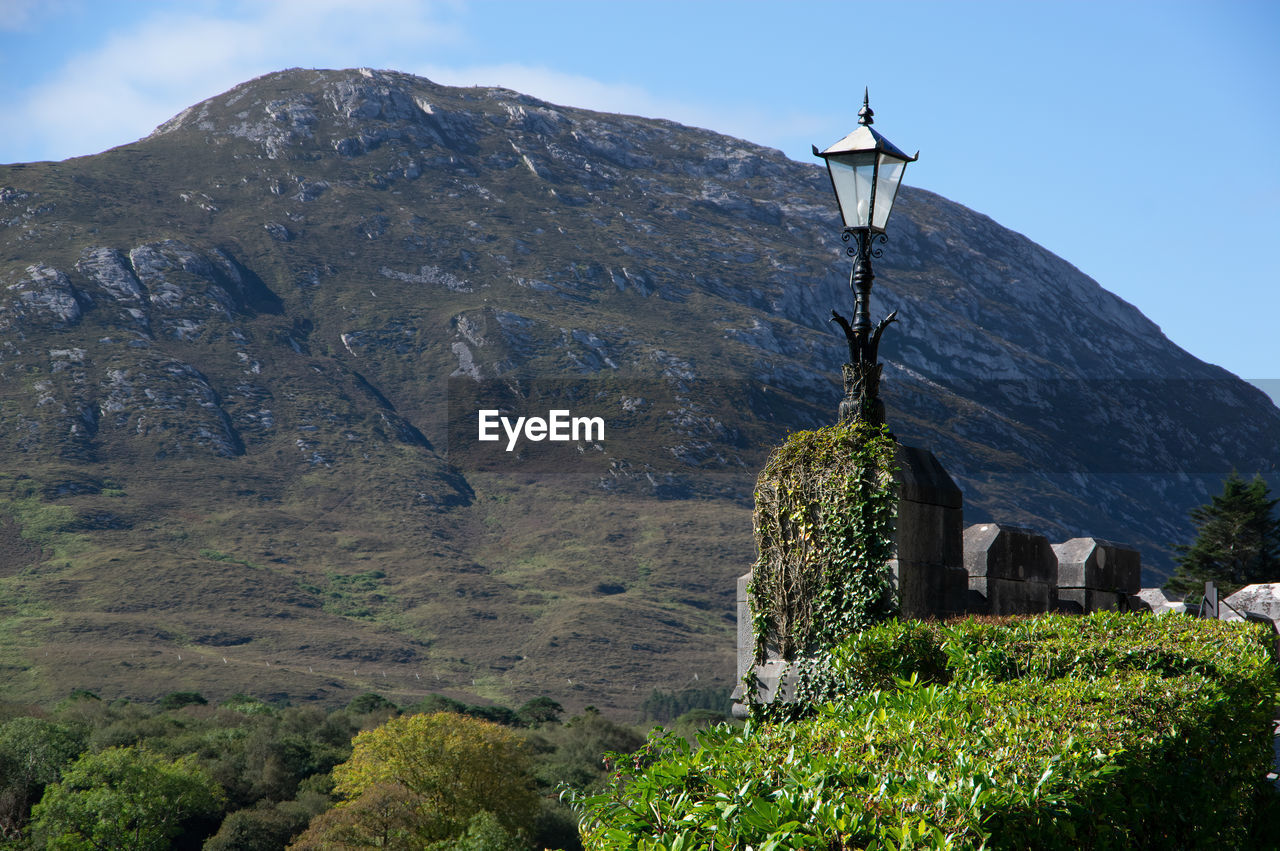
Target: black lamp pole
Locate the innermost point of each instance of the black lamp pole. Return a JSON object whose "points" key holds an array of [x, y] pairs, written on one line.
{"points": [[866, 170]]}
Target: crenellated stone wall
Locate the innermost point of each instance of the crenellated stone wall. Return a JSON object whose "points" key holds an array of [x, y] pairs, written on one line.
{"points": [[1096, 575], [1011, 570], [942, 569]]}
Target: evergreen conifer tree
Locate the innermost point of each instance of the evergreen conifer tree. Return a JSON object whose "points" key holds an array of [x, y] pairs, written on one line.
{"points": [[1237, 541]]}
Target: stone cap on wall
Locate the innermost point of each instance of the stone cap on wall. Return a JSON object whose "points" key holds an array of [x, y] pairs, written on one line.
{"points": [[1001, 551], [1262, 599], [924, 479], [1100, 564]]}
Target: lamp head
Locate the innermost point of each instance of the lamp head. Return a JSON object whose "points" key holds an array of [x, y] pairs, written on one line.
{"points": [[866, 170]]}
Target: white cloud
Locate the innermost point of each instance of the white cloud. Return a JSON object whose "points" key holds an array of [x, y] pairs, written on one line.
{"points": [[140, 76], [144, 72], [588, 93], [18, 15]]}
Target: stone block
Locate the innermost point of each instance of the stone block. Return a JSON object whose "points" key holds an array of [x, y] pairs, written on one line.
{"points": [[1156, 602], [1095, 563], [928, 533], [1262, 599], [929, 590], [1009, 552], [775, 681], [1082, 601], [990, 595], [923, 478], [746, 637], [928, 538], [1136, 603]]}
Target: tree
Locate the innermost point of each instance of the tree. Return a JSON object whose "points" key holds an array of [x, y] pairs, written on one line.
{"points": [[179, 699], [419, 779], [123, 798], [540, 710], [372, 702], [484, 833], [33, 753], [384, 815], [1237, 540], [574, 751], [266, 826]]}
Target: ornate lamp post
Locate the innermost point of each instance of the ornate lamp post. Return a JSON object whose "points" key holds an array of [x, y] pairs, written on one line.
{"points": [[866, 170]]}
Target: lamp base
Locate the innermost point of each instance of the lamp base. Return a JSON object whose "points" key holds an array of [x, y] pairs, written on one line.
{"points": [[862, 393]]}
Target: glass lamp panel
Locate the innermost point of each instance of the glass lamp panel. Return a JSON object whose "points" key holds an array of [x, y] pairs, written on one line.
{"points": [[887, 182], [852, 175]]}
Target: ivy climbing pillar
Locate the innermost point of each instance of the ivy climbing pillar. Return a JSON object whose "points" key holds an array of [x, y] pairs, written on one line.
{"points": [[851, 528]]}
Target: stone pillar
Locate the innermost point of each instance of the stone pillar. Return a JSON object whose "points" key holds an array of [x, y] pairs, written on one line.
{"points": [[1097, 575], [929, 568], [1011, 571]]}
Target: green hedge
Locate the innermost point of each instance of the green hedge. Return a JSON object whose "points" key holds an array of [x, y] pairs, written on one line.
{"points": [[1108, 731]]}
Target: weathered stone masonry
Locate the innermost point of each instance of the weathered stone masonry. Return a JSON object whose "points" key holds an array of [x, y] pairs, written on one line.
{"points": [[942, 569]]}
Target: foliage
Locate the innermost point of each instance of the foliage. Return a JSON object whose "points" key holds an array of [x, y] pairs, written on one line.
{"points": [[1237, 540], [124, 798], [267, 825], [825, 506], [496, 714], [572, 754], [372, 702], [423, 778], [354, 595], [383, 815], [666, 706], [483, 833], [179, 699], [273, 765], [540, 710], [33, 753], [1052, 733]]}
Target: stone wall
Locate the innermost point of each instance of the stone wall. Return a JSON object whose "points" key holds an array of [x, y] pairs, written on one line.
{"points": [[1011, 571], [929, 565], [942, 569], [1096, 575]]}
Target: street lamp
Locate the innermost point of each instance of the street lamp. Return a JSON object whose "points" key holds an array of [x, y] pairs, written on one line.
{"points": [[866, 170]]}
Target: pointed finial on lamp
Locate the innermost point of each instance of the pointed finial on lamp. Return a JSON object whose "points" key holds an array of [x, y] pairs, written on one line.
{"points": [[866, 115]]}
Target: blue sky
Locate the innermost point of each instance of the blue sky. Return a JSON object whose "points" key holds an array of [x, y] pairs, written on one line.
{"points": [[1138, 140]]}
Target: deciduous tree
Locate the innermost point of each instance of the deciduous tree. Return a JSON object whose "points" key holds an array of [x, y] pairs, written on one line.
{"points": [[427, 775], [123, 798], [33, 753]]}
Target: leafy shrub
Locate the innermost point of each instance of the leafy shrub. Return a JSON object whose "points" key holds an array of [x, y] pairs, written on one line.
{"points": [[33, 753], [179, 699], [371, 702], [540, 710], [124, 798], [267, 826], [825, 505], [1111, 731]]}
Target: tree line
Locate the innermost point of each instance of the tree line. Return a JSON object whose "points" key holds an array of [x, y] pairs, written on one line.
{"points": [[251, 776]]}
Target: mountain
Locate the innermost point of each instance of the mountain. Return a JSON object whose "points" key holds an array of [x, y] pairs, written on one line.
{"points": [[244, 360]]}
